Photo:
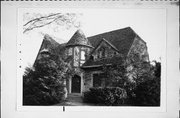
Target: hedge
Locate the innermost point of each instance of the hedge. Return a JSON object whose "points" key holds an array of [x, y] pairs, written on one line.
{"points": [[109, 96]]}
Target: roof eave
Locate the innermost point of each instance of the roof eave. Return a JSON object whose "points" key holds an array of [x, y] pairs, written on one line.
{"points": [[111, 44], [93, 66], [69, 45]]}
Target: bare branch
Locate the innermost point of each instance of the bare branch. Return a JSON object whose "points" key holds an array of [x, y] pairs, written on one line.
{"points": [[38, 19], [68, 20], [30, 28]]}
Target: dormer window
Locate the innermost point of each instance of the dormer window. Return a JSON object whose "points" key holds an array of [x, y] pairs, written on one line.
{"points": [[94, 57], [102, 53]]}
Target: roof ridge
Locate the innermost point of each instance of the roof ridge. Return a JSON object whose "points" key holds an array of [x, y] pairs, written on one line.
{"points": [[49, 38]]}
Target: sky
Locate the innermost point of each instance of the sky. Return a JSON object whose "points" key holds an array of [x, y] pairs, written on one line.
{"points": [[149, 24]]}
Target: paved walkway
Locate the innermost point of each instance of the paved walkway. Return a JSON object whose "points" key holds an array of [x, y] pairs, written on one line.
{"points": [[73, 99]]}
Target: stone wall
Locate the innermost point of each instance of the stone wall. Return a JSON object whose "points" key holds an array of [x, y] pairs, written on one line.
{"points": [[87, 80]]}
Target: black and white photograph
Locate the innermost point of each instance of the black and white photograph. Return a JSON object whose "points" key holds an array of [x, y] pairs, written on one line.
{"points": [[92, 57]]}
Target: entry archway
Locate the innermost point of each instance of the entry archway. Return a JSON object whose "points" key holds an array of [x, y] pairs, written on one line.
{"points": [[76, 84]]}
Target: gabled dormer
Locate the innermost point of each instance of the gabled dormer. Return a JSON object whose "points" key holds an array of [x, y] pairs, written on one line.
{"points": [[104, 50]]}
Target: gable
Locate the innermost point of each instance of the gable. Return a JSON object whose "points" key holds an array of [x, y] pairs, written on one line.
{"points": [[51, 46], [104, 50], [124, 42]]}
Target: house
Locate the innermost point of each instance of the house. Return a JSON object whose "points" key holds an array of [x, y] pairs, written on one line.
{"points": [[88, 54]]}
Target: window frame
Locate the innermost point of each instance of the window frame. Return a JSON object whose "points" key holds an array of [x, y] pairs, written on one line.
{"points": [[80, 59]]}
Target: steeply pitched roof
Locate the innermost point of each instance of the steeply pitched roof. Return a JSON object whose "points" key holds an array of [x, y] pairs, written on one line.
{"points": [[122, 39], [49, 42], [51, 46], [78, 39]]}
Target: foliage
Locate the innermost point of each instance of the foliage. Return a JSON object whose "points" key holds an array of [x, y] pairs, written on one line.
{"points": [[147, 93], [43, 84], [115, 74], [109, 96], [140, 79]]}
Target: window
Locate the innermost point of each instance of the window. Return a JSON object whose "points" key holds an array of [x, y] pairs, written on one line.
{"points": [[76, 56], [82, 62], [98, 80], [83, 56], [102, 53]]}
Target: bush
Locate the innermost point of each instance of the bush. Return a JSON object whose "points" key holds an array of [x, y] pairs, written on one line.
{"points": [[40, 91], [147, 93], [110, 96]]}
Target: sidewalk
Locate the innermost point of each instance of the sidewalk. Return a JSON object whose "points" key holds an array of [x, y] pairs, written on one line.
{"points": [[74, 99]]}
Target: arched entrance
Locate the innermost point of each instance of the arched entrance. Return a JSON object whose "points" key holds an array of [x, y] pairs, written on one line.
{"points": [[76, 84]]}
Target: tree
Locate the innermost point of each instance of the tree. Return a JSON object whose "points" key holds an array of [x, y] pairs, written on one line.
{"points": [[115, 75], [148, 92], [136, 77], [38, 20], [43, 84]]}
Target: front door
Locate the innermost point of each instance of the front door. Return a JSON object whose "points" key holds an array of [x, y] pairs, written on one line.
{"points": [[76, 84]]}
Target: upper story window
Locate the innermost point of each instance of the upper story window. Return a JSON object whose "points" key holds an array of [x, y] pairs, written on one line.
{"points": [[94, 57], [83, 55], [82, 59], [76, 56], [102, 53]]}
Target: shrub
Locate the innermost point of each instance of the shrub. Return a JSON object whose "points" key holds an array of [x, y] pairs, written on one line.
{"points": [[110, 96], [43, 84], [147, 93]]}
